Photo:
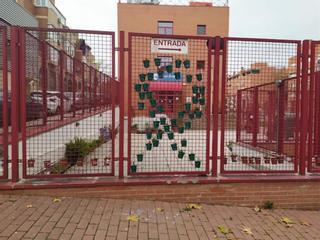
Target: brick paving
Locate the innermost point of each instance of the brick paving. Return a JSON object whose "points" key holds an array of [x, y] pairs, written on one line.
{"points": [[24, 217]]}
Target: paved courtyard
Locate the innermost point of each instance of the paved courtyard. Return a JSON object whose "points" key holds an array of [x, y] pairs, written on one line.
{"points": [[25, 217]]}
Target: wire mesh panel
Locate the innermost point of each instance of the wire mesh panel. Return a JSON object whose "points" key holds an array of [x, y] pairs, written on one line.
{"points": [[69, 130], [169, 105], [4, 104], [259, 136], [314, 110]]}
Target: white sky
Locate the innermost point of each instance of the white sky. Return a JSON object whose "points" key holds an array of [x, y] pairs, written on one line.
{"points": [[292, 19]]}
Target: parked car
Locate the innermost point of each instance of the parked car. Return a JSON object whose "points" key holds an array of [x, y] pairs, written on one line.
{"points": [[34, 109], [53, 101]]}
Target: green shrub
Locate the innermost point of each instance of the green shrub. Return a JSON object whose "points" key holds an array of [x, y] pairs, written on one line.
{"points": [[78, 148]]}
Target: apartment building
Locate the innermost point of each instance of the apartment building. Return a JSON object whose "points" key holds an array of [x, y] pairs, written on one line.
{"points": [[173, 18]]}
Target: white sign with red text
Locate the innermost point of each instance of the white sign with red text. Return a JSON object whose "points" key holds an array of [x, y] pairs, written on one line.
{"points": [[168, 45]]}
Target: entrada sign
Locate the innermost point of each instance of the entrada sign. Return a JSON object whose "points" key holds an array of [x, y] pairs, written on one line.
{"points": [[168, 45]]}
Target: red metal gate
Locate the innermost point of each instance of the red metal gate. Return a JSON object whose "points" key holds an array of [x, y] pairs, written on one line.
{"points": [[314, 110], [4, 104], [163, 141], [67, 102], [260, 106]]}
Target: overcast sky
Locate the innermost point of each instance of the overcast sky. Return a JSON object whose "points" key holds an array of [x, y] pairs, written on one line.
{"points": [[293, 19]]}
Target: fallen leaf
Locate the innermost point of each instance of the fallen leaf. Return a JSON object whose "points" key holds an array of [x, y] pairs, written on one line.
{"points": [[160, 210], [223, 229], [257, 209], [247, 230], [56, 200], [193, 206], [287, 221], [29, 206], [133, 218], [305, 223]]}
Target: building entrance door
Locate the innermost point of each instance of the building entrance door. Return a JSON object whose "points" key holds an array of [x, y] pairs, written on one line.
{"points": [[169, 99]]}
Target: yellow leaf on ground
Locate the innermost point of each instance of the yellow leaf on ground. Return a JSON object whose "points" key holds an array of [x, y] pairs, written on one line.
{"points": [[223, 229], [247, 230], [193, 206], [286, 220], [29, 206], [305, 223], [257, 209], [159, 209], [133, 218], [56, 200]]}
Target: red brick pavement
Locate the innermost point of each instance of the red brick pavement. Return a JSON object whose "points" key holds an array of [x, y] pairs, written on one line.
{"points": [[76, 218]]}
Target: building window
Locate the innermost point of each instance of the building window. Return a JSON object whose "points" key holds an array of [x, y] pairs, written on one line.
{"points": [[165, 27], [200, 64], [201, 29]]}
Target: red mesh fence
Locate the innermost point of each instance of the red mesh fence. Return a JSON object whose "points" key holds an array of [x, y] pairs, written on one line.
{"points": [[70, 104], [259, 135], [4, 104], [169, 105], [314, 110]]}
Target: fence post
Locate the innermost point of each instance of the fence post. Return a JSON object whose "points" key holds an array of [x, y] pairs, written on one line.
{"points": [[304, 107], [255, 116], [83, 87], [5, 100], [239, 115], [215, 108], [113, 107], [74, 86], [14, 103], [61, 82], [22, 96], [44, 81], [121, 93], [281, 118], [208, 108]]}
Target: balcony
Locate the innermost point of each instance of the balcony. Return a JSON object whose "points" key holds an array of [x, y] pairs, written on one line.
{"points": [[219, 3], [48, 4]]}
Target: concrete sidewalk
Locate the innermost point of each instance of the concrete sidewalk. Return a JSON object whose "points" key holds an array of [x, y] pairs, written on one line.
{"points": [[24, 217]]}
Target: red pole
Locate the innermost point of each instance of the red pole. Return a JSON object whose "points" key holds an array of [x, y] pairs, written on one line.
{"points": [[61, 82], [83, 87], [222, 106], [113, 104], [23, 97], [129, 93], [255, 116], [303, 107], [238, 127], [297, 120], [215, 110], [270, 117], [122, 94], [90, 89], [281, 117], [14, 104], [312, 97], [74, 86], [208, 109], [100, 88], [5, 101], [95, 80], [44, 81]]}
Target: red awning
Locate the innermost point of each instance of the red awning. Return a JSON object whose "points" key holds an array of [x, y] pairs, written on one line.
{"points": [[165, 86]]}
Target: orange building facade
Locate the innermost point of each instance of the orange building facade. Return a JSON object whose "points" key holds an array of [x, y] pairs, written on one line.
{"points": [[195, 19]]}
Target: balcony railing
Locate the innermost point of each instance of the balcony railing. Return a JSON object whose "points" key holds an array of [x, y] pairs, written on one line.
{"points": [[48, 4], [177, 2]]}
